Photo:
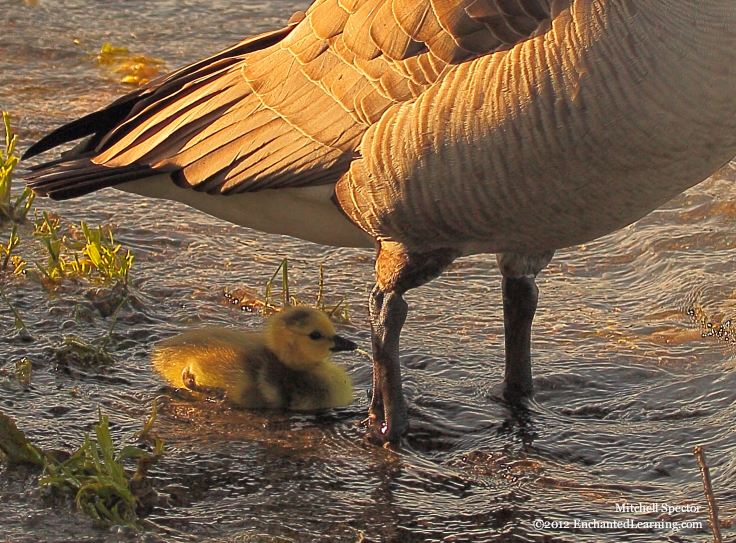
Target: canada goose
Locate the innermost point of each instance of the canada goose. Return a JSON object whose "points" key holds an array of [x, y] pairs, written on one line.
{"points": [[431, 130], [286, 367]]}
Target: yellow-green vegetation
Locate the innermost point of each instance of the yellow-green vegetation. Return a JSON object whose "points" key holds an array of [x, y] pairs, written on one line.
{"points": [[11, 210], [248, 299], [95, 473], [15, 447], [23, 370], [126, 67], [7, 250], [58, 251], [98, 256], [105, 256]]}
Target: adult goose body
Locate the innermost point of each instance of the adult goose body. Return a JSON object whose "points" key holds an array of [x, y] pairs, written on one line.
{"points": [[431, 129]]}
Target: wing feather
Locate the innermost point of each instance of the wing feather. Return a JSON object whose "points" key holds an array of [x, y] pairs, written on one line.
{"points": [[290, 107]]}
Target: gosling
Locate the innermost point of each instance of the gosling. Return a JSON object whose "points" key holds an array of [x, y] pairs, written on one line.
{"points": [[286, 367]]}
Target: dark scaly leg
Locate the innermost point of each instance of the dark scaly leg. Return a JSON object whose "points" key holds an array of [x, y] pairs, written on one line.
{"points": [[520, 295], [388, 314], [397, 270]]}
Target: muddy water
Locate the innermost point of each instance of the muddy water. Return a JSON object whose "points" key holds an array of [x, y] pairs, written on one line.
{"points": [[627, 383]]}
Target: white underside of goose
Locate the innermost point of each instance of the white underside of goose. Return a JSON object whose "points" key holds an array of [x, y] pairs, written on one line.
{"points": [[306, 213]]}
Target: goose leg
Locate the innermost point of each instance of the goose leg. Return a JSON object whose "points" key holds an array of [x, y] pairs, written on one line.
{"points": [[388, 409], [520, 295], [397, 270]]}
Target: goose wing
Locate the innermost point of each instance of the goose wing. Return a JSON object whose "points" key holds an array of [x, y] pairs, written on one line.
{"points": [[286, 108]]}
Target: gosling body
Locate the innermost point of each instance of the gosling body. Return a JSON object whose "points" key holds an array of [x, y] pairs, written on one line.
{"points": [[287, 367]]}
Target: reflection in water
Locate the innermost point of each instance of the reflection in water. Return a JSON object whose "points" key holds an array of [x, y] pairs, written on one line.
{"points": [[626, 383]]}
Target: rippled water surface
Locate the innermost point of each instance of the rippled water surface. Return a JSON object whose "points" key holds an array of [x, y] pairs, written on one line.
{"points": [[632, 354]]}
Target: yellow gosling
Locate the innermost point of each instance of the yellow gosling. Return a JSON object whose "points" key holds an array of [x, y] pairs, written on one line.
{"points": [[285, 367]]}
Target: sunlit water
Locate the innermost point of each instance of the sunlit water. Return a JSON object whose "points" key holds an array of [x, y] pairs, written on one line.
{"points": [[626, 383]]}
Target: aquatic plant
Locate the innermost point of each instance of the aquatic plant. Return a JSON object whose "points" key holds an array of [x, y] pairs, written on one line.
{"points": [[105, 256], [248, 300], [99, 255], [9, 258], [96, 475], [128, 68], [15, 447], [11, 210], [48, 230]]}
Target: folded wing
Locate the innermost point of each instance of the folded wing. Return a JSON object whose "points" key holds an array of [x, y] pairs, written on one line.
{"points": [[286, 108]]}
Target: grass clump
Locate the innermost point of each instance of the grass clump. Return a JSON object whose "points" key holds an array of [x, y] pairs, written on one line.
{"points": [[249, 300], [96, 475], [11, 210], [98, 256], [105, 256], [15, 447]]}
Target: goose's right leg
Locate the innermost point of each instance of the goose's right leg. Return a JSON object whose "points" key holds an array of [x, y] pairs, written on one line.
{"points": [[520, 294], [397, 270]]}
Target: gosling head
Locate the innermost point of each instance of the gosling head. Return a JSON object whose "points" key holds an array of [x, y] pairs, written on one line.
{"points": [[302, 338]]}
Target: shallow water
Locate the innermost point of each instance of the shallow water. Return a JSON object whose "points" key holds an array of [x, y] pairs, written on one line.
{"points": [[626, 382]]}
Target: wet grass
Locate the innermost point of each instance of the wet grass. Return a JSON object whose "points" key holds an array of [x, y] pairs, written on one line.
{"points": [[11, 210], [96, 257], [95, 474], [274, 300]]}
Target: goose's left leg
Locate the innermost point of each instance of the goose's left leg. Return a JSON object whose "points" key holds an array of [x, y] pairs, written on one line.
{"points": [[397, 270], [520, 294]]}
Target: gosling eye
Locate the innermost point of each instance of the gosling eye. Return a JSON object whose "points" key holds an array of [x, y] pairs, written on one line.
{"points": [[315, 335]]}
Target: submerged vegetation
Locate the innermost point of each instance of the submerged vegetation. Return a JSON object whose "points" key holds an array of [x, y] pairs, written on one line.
{"points": [[120, 64]]}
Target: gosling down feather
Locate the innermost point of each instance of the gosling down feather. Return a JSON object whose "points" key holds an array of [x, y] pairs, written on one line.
{"points": [[287, 367], [431, 130]]}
